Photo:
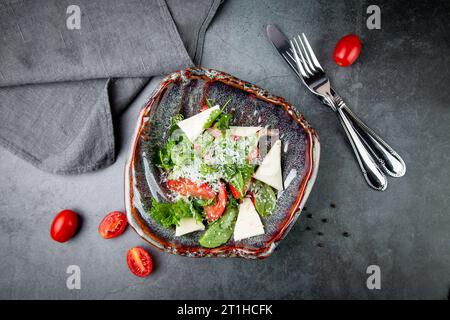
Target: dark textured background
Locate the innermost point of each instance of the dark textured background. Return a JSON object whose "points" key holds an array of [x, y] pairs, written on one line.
{"points": [[400, 86]]}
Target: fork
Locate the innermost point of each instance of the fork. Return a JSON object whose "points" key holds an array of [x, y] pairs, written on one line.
{"points": [[370, 150], [389, 160]]}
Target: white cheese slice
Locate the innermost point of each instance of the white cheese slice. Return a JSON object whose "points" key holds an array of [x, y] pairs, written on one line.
{"points": [[270, 169], [188, 225], [248, 223], [194, 126], [244, 131]]}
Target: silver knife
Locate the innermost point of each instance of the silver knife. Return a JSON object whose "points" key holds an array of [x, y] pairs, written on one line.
{"points": [[387, 158]]}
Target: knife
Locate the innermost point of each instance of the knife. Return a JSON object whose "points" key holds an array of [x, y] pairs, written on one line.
{"points": [[389, 160]]}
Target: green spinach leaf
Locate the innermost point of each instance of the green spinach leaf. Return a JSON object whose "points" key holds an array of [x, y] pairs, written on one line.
{"points": [[170, 214], [223, 121], [220, 231], [265, 198], [239, 176]]}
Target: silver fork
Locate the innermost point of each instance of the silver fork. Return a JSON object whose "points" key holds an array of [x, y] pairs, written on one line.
{"points": [[389, 160], [314, 77]]}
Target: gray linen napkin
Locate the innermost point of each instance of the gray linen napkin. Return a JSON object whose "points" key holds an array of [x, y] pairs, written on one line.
{"points": [[60, 88]]}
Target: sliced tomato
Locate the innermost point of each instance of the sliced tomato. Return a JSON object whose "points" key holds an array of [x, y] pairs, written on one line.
{"points": [[113, 225], [236, 194], [64, 226], [187, 187], [139, 262], [252, 197], [215, 211], [204, 107], [235, 138], [253, 155], [216, 133]]}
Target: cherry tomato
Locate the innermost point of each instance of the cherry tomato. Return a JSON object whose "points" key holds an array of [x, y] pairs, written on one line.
{"points": [[64, 226], [186, 187], [253, 155], [215, 211], [139, 262], [236, 194], [347, 50], [113, 225], [216, 133], [252, 197]]}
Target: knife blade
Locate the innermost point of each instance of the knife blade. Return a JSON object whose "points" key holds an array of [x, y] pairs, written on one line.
{"points": [[281, 43]]}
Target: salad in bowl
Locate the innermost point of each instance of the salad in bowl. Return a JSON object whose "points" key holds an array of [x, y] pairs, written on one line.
{"points": [[222, 179], [218, 167]]}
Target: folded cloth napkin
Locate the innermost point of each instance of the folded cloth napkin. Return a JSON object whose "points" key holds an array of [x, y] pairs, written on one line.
{"points": [[60, 87]]}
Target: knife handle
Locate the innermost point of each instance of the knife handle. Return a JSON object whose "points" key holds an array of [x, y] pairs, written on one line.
{"points": [[370, 169], [389, 160]]}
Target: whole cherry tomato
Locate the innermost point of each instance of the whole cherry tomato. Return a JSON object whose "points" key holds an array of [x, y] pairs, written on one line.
{"points": [[139, 262], [113, 225], [64, 226], [347, 50]]}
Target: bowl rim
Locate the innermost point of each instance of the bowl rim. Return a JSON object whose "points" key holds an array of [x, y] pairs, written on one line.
{"points": [[305, 187]]}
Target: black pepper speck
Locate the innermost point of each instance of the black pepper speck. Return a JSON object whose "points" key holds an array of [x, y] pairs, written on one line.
{"points": [[346, 234]]}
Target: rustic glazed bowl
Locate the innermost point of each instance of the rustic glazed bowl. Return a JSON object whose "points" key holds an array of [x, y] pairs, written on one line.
{"points": [[184, 92]]}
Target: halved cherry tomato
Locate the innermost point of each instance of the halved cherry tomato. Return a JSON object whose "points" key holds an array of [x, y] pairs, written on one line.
{"points": [[253, 155], [252, 197], [215, 211], [216, 133], [139, 262], [347, 50], [113, 225], [64, 225], [236, 194], [235, 138], [186, 187]]}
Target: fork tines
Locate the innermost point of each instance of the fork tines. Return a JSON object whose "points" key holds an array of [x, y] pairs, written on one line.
{"points": [[304, 56]]}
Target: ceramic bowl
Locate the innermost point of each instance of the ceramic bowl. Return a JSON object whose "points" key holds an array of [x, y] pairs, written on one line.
{"points": [[184, 92]]}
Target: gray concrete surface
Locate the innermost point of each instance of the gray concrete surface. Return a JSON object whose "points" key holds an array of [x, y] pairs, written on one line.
{"points": [[399, 86]]}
